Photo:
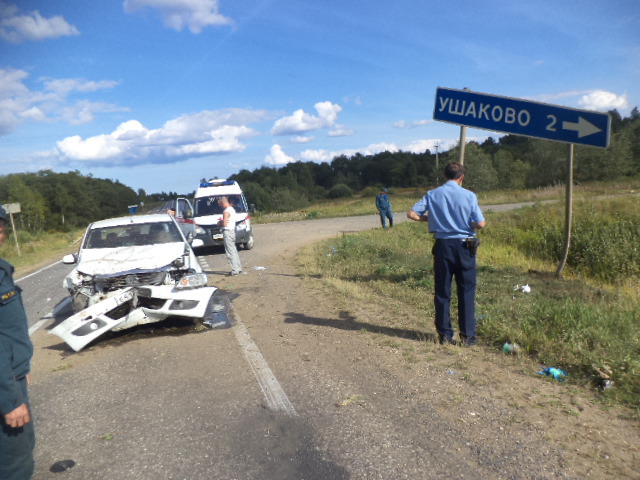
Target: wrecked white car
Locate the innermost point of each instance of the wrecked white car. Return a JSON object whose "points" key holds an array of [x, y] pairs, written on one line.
{"points": [[131, 271]]}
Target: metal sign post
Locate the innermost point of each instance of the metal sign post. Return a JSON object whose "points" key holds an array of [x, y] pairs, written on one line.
{"points": [[12, 208], [463, 139], [567, 210]]}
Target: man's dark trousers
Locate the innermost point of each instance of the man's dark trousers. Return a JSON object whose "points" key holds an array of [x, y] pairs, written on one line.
{"points": [[451, 258], [16, 446], [384, 214]]}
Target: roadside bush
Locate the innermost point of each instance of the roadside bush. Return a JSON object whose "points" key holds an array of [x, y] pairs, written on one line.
{"points": [[340, 191], [604, 236]]}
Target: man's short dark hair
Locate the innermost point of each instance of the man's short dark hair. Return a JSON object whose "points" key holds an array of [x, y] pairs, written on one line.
{"points": [[453, 171]]}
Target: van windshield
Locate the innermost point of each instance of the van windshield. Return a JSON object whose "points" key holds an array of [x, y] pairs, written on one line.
{"points": [[209, 205]]}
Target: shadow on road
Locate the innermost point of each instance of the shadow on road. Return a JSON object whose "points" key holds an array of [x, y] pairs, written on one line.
{"points": [[346, 321]]}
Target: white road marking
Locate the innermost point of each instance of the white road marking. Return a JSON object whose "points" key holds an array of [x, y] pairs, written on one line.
{"points": [[276, 397], [38, 325], [37, 272]]}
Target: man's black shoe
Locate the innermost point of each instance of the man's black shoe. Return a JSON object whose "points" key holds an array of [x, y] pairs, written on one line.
{"points": [[442, 340], [468, 341]]}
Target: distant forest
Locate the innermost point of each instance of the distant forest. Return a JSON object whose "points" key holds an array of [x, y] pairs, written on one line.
{"points": [[512, 162], [61, 201]]}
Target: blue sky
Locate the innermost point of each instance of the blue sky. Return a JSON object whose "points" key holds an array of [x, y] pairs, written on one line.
{"points": [[160, 93]]}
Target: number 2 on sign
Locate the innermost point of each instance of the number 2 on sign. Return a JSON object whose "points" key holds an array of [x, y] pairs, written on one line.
{"points": [[552, 123]]}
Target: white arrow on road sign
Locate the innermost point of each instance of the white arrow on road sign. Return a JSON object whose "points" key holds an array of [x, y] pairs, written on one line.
{"points": [[583, 127]]}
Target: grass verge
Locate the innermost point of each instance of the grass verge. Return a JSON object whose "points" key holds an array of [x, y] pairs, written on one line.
{"points": [[38, 249], [586, 323]]}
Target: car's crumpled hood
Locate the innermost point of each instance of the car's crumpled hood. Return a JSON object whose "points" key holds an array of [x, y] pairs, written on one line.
{"points": [[102, 261]]}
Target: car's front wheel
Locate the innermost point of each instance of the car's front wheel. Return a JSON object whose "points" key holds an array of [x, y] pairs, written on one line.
{"points": [[249, 244]]}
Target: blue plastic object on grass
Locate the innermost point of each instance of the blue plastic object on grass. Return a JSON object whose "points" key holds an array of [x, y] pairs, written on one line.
{"points": [[556, 373]]}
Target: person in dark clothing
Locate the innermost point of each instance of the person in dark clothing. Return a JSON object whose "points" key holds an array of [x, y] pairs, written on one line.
{"points": [[383, 204], [17, 436], [454, 216]]}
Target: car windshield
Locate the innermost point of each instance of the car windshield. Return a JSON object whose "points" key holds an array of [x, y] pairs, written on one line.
{"points": [[133, 235], [209, 205]]}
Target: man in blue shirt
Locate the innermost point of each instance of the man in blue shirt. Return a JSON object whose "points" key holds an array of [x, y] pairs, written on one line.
{"points": [[17, 438], [383, 204], [454, 216]]}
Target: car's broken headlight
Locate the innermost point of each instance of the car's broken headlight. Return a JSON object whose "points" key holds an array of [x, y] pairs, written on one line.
{"points": [[192, 280]]}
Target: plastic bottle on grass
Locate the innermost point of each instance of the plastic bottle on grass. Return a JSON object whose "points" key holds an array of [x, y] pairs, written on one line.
{"points": [[512, 348]]}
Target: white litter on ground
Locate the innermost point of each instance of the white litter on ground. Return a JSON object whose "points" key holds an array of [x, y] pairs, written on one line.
{"points": [[524, 288]]}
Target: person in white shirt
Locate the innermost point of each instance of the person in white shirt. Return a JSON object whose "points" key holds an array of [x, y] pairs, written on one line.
{"points": [[228, 223]]}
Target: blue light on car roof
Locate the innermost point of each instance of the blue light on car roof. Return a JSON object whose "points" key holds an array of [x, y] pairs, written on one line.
{"points": [[217, 183]]}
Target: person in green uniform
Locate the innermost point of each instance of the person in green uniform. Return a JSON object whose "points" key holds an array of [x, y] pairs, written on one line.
{"points": [[17, 435]]}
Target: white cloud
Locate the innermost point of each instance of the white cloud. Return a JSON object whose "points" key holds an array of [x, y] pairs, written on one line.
{"points": [[355, 100], [301, 139], [100, 147], [414, 124], [417, 146], [83, 111], [341, 131], [64, 86], [203, 133], [178, 14], [18, 103], [318, 156], [277, 156], [300, 121], [223, 140], [327, 156], [603, 101], [32, 26], [421, 123]]}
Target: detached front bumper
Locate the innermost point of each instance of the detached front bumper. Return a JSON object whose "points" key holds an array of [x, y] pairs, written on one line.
{"points": [[128, 307]]}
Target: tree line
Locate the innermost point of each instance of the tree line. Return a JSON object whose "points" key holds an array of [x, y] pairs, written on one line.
{"points": [[52, 201], [61, 201], [512, 162]]}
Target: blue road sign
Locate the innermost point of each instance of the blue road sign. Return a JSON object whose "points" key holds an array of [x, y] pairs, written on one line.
{"points": [[522, 117]]}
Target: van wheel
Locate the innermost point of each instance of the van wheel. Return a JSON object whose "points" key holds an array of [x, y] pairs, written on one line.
{"points": [[249, 244]]}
